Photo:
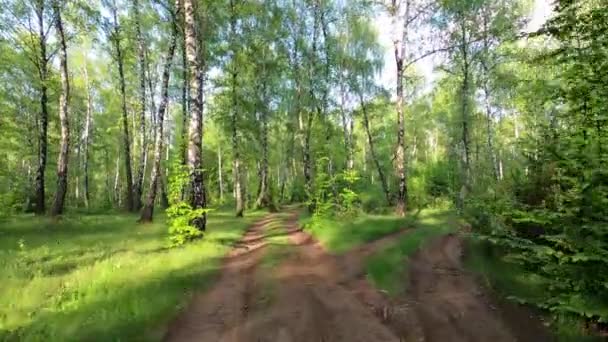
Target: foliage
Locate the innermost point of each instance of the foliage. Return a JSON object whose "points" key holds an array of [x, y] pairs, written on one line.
{"points": [[322, 199], [333, 196], [552, 220], [348, 199], [180, 216], [180, 213]]}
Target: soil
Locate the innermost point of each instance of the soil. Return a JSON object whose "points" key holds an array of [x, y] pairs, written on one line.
{"points": [[318, 296]]}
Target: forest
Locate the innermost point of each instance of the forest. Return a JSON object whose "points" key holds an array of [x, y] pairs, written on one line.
{"points": [[324, 163]]}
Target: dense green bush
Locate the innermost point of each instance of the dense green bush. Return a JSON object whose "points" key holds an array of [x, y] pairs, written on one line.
{"points": [[180, 214], [561, 244], [333, 196]]}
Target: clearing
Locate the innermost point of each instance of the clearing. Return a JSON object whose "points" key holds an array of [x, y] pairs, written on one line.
{"points": [[280, 284]]}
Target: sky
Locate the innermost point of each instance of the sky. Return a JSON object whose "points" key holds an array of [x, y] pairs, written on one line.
{"points": [[540, 13]]}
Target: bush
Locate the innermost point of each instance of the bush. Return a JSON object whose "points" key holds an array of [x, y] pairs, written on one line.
{"points": [[180, 214], [559, 245], [333, 195]]}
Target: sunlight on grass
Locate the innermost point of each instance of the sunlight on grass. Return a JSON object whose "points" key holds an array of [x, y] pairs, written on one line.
{"points": [[387, 269], [102, 277], [340, 235]]}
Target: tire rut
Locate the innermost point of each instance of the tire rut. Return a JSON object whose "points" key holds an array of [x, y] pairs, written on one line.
{"points": [[325, 297], [311, 304], [449, 304], [218, 314]]}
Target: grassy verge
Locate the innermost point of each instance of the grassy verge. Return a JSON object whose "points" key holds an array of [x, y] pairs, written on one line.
{"points": [[387, 269], [340, 235], [102, 277], [513, 283]]}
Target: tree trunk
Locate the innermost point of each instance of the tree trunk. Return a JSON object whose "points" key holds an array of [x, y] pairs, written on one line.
{"points": [[372, 152], [139, 178], [148, 210], [311, 114], [86, 135], [62, 161], [219, 172], [117, 199], [400, 160], [264, 199], [108, 173], [185, 96], [195, 165], [490, 133], [39, 186], [125, 116], [487, 98], [466, 163], [348, 148], [164, 197], [236, 172]]}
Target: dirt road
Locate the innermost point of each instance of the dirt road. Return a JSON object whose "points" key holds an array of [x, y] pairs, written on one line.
{"points": [[321, 297]]}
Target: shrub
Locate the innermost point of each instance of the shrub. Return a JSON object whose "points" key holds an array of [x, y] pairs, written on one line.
{"points": [[180, 214]]}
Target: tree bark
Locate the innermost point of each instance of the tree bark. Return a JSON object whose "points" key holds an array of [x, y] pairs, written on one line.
{"points": [[195, 165], [348, 148], [466, 163], [185, 96], [400, 159], [139, 178], [117, 199], [86, 135], [264, 198], [219, 172], [148, 210], [236, 165], [39, 186], [125, 116], [308, 186], [62, 161], [487, 98]]}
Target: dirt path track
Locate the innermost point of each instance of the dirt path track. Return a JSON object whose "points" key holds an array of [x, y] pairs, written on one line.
{"points": [[321, 297], [218, 314], [449, 298]]}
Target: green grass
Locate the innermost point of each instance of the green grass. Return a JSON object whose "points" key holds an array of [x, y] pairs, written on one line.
{"points": [[102, 277], [511, 282], [340, 235], [387, 269]]}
